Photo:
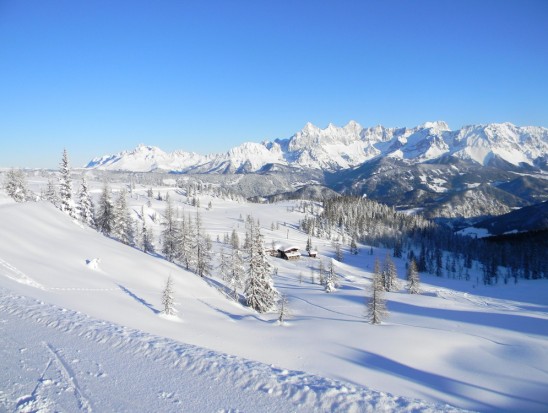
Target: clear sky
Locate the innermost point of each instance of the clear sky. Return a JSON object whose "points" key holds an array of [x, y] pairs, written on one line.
{"points": [[101, 76]]}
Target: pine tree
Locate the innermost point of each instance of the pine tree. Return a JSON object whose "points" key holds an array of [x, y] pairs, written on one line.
{"points": [[105, 213], [283, 309], [51, 194], [15, 185], [259, 290], [330, 281], [184, 247], [202, 248], [353, 246], [203, 255], [439, 262], [421, 265], [168, 300], [170, 232], [190, 251], [146, 238], [308, 244], [390, 275], [237, 272], [122, 224], [413, 280], [398, 249], [376, 306], [234, 240], [86, 210], [65, 187], [338, 252]]}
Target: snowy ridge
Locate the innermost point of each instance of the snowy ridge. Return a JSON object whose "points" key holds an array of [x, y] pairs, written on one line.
{"points": [[146, 158], [244, 378], [338, 148]]}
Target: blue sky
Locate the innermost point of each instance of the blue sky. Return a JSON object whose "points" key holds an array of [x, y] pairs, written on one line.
{"points": [[100, 76]]}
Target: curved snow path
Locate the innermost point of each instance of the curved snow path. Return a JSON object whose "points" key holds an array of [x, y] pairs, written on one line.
{"points": [[54, 359], [14, 274]]}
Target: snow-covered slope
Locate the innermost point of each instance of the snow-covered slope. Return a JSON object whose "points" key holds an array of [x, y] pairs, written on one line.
{"points": [[55, 359], [515, 145], [338, 148], [478, 348]]}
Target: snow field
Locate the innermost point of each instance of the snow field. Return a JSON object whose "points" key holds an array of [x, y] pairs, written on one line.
{"points": [[60, 359], [459, 343]]}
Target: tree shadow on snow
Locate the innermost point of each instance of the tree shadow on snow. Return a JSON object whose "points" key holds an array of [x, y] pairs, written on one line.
{"points": [[454, 387], [514, 322], [138, 299], [505, 320], [235, 317]]}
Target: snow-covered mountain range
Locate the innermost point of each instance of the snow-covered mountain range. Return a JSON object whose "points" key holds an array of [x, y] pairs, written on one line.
{"points": [[339, 148]]}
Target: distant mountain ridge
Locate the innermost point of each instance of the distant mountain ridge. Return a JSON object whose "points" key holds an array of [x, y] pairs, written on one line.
{"points": [[334, 149], [476, 171]]}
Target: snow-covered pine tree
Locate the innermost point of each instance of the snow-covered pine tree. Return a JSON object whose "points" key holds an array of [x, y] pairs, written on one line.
{"points": [[224, 265], [308, 244], [376, 306], [390, 275], [237, 272], [145, 238], [65, 187], [51, 194], [170, 232], [235, 240], [168, 298], [283, 309], [259, 289], [203, 255], [15, 185], [148, 239], [105, 213], [338, 252], [183, 242], [353, 245], [413, 280], [190, 251], [122, 225], [321, 273], [202, 248], [330, 280], [86, 210]]}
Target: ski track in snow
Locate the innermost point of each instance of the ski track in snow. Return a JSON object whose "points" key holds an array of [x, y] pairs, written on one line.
{"points": [[16, 275], [65, 384], [70, 377], [13, 273], [476, 300]]}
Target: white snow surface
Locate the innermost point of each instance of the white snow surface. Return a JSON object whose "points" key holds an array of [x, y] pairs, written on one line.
{"points": [[81, 328], [336, 148], [57, 359]]}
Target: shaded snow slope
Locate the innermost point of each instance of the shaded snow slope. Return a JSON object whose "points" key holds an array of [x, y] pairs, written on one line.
{"points": [[459, 343], [338, 148]]}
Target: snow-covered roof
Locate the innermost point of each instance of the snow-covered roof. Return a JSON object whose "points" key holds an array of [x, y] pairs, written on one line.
{"points": [[286, 247], [292, 254]]}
